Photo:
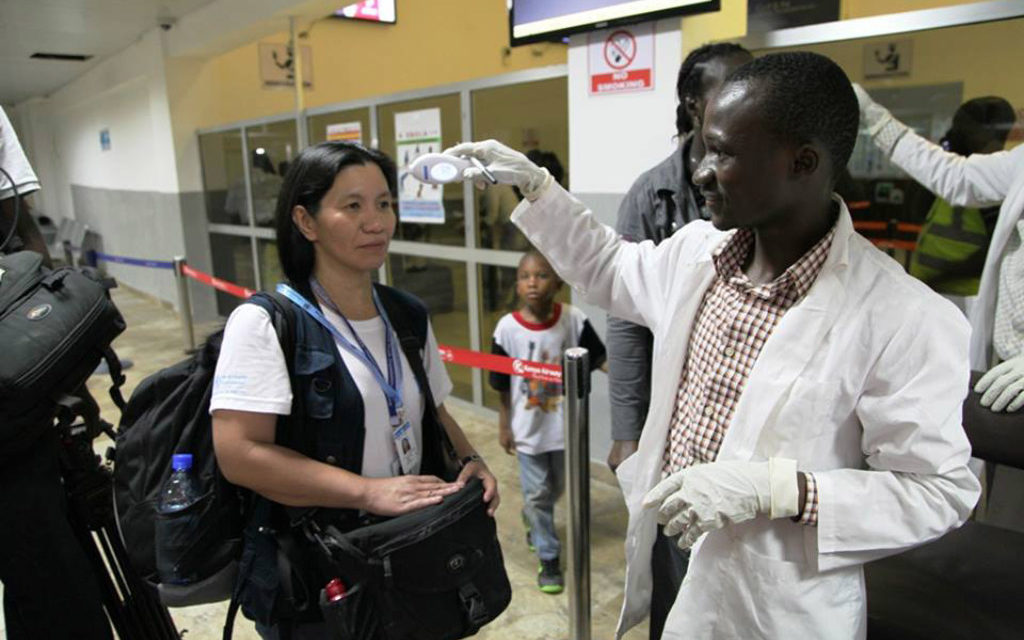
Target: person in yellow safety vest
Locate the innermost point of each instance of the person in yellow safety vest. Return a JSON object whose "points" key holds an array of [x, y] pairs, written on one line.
{"points": [[953, 242]]}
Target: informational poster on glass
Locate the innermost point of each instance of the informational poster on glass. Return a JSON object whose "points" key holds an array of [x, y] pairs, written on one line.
{"points": [[346, 132], [416, 133], [769, 15]]}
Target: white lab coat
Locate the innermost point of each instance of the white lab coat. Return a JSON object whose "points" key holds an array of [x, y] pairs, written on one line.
{"points": [[861, 382], [980, 180]]}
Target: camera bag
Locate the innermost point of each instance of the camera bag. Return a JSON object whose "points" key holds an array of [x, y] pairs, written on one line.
{"points": [[433, 574], [56, 325]]}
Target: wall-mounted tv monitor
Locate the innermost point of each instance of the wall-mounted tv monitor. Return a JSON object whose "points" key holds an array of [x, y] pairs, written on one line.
{"points": [[369, 10], [545, 20]]}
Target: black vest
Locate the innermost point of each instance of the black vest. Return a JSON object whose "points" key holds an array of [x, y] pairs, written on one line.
{"points": [[327, 424]]}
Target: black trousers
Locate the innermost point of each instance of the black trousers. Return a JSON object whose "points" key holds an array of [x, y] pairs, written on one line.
{"points": [[668, 568], [50, 589]]}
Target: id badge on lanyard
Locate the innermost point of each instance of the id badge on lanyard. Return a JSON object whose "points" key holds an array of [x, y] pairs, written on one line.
{"points": [[402, 434], [405, 442]]}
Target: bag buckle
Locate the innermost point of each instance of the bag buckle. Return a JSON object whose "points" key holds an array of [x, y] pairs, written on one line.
{"points": [[474, 605]]}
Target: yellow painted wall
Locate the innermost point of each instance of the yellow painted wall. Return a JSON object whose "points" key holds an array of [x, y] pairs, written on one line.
{"points": [[979, 55], [434, 42], [864, 8]]}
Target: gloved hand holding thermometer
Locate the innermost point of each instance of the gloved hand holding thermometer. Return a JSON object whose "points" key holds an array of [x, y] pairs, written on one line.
{"points": [[475, 160], [710, 496], [1002, 388]]}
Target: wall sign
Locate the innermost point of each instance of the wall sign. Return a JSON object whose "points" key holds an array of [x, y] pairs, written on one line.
{"points": [[277, 66], [893, 58], [621, 60]]}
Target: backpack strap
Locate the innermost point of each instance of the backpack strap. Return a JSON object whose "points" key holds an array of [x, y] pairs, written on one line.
{"points": [[282, 317], [117, 376]]}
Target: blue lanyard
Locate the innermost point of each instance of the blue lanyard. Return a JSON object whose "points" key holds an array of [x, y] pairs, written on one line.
{"points": [[392, 385]]}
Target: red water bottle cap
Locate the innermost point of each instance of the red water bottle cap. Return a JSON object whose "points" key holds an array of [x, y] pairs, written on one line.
{"points": [[335, 590]]}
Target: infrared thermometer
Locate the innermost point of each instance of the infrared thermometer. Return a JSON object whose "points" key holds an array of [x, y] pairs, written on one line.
{"points": [[440, 168]]}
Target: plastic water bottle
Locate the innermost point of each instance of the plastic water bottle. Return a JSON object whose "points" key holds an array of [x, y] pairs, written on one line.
{"points": [[174, 529], [180, 490]]}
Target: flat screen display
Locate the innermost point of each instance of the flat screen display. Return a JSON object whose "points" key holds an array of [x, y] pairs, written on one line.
{"points": [[369, 10], [539, 20]]}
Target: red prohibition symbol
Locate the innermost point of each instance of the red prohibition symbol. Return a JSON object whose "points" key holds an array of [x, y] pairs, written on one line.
{"points": [[620, 49]]}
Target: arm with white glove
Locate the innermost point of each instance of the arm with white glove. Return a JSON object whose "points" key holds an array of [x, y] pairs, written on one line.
{"points": [[710, 496], [1002, 388], [630, 280], [507, 165], [979, 180]]}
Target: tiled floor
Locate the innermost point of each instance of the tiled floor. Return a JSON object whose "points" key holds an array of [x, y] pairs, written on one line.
{"points": [[153, 341]]}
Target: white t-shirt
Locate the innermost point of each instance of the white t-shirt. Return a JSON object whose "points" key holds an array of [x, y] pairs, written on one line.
{"points": [[14, 162], [252, 375], [535, 407]]}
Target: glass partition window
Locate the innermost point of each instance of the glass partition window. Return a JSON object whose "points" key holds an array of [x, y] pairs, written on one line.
{"points": [[271, 148], [949, 67], [533, 118], [441, 284], [408, 129], [351, 125], [223, 177], [232, 261], [270, 264]]}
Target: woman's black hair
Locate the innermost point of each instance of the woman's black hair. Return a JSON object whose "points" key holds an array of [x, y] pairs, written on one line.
{"points": [[310, 176], [689, 83]]}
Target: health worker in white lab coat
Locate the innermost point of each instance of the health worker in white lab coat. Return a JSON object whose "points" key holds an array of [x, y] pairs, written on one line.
{"points": [[979, 180], [803, 419]]}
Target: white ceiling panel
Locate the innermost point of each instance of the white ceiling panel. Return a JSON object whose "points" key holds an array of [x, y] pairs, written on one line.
{"points": [[97, 28]]}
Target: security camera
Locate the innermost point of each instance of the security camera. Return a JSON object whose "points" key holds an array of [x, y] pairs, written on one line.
{"points": [[166, 23]]}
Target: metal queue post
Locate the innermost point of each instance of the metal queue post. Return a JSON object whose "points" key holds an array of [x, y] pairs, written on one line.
{"points": [[576, 376], [184, 304]]}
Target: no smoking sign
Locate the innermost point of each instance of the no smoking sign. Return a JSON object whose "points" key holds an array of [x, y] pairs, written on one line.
{"points": [[621, 59]]}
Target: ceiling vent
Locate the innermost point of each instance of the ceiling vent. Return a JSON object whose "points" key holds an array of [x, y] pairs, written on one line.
{"points": [[74, 57]]}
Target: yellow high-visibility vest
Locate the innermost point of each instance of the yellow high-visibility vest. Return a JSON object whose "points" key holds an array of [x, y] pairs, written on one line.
{"points": [[950, 237]]}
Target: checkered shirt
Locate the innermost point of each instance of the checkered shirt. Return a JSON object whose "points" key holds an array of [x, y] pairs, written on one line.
{"points": [[734, 321]]}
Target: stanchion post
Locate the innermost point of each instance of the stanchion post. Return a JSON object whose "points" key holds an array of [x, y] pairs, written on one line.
{"points": [[184, 304], [576, 385]]}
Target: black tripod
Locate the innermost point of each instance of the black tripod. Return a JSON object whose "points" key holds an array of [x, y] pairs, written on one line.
{"points": [[131, 604]]}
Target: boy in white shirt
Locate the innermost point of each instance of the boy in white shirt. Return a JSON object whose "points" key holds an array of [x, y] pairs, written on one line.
{"points": [[530, 423]]}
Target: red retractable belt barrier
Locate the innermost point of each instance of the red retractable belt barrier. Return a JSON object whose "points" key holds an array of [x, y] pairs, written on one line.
{"points": [[217, 283], [542, 371]]}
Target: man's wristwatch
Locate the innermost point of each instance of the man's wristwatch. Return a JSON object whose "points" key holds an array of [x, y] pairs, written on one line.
{"points": [[473, 457]]}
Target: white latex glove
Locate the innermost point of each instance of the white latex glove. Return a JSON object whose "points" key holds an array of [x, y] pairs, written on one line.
{"points": [[710, 496], [883, 128], [507, 165], [1002, 388]]}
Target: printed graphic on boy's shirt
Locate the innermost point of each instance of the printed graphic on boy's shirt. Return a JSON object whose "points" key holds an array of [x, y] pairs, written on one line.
{"points": [[545, 396]]}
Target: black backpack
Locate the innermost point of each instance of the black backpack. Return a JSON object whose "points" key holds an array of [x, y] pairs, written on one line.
{"points": [[168, 413], [56, 325]]}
